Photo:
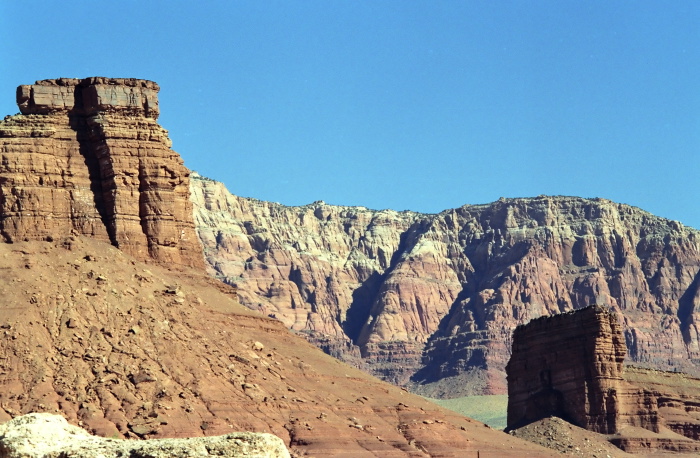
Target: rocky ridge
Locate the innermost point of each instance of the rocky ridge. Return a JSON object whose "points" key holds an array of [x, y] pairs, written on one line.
{"points": [[430, 301], [87, 156]]}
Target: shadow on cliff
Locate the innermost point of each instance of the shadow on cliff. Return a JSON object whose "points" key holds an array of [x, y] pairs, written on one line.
{"points": [[79, 124], [364, 297], [468, 313], [359, 310], [686, 307]]}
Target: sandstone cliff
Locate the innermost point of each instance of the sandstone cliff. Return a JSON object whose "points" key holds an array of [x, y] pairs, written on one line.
{"points": [[88, 190], [571, 366], [88, 157], [431, 300], [676, 396]]}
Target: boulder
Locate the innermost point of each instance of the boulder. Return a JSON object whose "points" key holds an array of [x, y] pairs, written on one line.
{"points": [[43, 435]]}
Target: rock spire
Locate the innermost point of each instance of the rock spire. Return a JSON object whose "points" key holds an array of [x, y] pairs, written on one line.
{"points": [[87, 156]]}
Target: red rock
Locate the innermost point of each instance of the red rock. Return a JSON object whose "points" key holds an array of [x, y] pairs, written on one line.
{"points": [[430, 301], [126, 357], [163, 350], [88, 157], [571, 366]]}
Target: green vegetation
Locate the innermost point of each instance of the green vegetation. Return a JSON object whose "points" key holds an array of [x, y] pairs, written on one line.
{"points": [[491, 410]]}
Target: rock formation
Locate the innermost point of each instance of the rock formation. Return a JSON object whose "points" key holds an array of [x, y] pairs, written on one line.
{"points": [[88, 190], [430, 301], [88, 157], [677, 398], [571, 366], [42, 435]]}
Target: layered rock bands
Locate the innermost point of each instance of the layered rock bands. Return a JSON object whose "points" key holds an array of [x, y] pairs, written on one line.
{"points": [[431, 301], [87, 156], [571, 366]]}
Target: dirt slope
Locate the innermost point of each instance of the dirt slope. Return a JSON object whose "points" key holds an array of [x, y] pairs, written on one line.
{"points": [[128, 349]]}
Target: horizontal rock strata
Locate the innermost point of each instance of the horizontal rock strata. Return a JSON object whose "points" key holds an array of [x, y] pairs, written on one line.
{"points": [[571, 366], [143, 351], [88, 157], [431, 301], [676, 395]]}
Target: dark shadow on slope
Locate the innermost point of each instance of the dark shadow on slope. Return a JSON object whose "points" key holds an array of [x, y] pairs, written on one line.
{"points": [[686, 307], [440, 351], [435, 354], [363, 298], [359, 310]]}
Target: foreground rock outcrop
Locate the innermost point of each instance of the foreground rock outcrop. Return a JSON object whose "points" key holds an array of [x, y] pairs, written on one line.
{"points": [[87, 156], [430, 301], [42, 435], [571, 366]]}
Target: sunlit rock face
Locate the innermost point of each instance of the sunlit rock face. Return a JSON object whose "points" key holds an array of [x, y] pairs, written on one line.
{"points": [[88, 156], [431, 301]]}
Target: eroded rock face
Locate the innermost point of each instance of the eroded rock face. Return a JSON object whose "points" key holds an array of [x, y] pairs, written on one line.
{"points": [[571, 366], [431, 300], [676, 395], [88, 157], [134, 350], [43, 435]]}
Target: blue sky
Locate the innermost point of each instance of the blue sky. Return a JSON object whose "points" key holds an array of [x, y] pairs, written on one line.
{"points": [[420, 105]]}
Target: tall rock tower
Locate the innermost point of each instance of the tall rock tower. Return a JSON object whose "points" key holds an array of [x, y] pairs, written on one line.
{"points": [[87, 156]]}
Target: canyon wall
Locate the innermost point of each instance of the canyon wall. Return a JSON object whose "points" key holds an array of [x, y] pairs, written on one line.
{"points": [[89, 188], [87, 156], [431, 301]]}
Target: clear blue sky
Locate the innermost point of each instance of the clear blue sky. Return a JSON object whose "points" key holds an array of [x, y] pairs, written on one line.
{"points": [[420, 105]]}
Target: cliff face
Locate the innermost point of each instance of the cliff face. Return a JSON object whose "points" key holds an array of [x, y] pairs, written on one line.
{"points": [[88, 157], [674, 394], [431, 300], [571, 366]]}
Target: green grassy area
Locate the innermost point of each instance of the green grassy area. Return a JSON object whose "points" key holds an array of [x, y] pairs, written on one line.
{"points": [[491, 410]]}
